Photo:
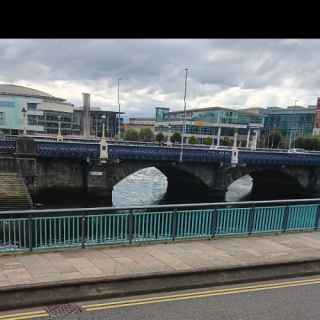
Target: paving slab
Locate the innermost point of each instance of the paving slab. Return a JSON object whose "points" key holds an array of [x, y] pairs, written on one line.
{"points": [[79, 264]]}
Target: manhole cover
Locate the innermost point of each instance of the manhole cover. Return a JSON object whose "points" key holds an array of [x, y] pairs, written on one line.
{"points": [[62, 311]]}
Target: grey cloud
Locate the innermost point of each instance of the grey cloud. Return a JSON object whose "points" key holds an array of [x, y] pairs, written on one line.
{"points": [[156, 67]]}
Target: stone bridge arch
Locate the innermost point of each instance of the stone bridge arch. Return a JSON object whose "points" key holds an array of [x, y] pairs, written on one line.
{"points": [[277, 182], [186, 181]]}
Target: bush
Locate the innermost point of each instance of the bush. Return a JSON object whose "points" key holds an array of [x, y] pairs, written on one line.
{"points": [[207, 141], [192, 140], [146, 135], [176, 137], [160, 137], [308, 143], [131, 135]]}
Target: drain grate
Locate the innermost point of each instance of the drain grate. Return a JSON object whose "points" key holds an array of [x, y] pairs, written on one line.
{"points": [[62, 311]]}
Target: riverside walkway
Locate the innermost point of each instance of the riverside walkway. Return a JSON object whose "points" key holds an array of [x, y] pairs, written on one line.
{"points": [[56, 256], [94, 263]]}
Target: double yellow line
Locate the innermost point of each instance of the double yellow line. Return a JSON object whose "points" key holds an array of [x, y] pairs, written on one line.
{"points": [[25, 315], [197, 295]]}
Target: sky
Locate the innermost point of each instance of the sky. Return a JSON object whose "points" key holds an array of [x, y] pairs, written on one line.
{"points": [[233, 73]]}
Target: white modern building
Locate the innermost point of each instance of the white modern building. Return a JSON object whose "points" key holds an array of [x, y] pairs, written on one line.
{"points": [[37, 111]]}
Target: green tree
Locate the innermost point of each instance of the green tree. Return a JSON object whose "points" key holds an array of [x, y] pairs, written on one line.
{"points": [[192, 140], [160, 137], [308, 143], [226, 142], [274, 140], [146, 135], [131, 135], [207, 141], [176, 137]]}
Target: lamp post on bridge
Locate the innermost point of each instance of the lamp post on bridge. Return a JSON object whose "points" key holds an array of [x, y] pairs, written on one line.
{"points": [[184, 115], [24, 116], [119, 119], [59, 135], [103, 143]]}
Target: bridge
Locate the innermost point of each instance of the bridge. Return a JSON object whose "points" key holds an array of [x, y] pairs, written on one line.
{"points": [[94, 168]]}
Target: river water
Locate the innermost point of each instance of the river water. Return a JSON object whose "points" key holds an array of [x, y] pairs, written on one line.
{"points": [[148, 186]]}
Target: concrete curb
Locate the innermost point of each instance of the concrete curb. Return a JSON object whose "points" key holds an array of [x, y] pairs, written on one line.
{"points": [[110, 287]]}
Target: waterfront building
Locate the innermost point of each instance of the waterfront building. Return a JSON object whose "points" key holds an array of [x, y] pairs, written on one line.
{"points": [[97, 116], [43, 113], [139, 123], [291, 122], [215, 122], [41, 109]]}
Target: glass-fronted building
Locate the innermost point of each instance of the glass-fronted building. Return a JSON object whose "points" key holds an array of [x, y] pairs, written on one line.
{"points": [[207, 122], [97, 117], [290, 122]]}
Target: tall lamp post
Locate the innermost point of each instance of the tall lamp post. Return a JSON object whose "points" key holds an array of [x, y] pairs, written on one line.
{"points": [[103, 137], [119, 124], [24, 116], [103, 143], [59, 136], [184, 114]]}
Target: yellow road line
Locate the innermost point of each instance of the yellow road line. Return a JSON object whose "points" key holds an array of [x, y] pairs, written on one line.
{"points": [[25, 315], [203, 294], [29, 317]]}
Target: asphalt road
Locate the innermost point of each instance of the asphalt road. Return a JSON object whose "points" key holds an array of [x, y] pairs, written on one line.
{"points": [[294, 299]]}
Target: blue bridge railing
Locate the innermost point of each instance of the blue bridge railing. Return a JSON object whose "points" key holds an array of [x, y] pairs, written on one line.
{"points": [[66, 228]]}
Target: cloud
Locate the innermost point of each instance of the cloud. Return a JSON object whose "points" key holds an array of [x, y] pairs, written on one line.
{"points": [[225, 72]]}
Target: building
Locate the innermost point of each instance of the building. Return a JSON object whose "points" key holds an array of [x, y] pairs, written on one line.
{"points": [[215, 122], [291, 122], [96, 118], [43, 111], [140, 123]]}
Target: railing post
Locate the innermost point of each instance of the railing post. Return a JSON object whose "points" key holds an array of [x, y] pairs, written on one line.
{"points": [[130, 226], [83, 229], [214, 223], [316, 223], [285, 219], [30, 231], [251, 219], [174, 224]]}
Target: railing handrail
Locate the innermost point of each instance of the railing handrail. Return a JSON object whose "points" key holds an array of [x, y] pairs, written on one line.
{"points": [[94, 210]]}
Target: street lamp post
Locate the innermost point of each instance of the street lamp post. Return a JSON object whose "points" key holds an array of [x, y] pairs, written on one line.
{"points": [[184, 115], [24, 116], [107, 134], [59, 136], [103, 143], [119, 123]]}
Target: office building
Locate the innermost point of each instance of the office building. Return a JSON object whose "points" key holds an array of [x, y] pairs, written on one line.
{"points": [[291, 122], [215, 122], [139, 123]]}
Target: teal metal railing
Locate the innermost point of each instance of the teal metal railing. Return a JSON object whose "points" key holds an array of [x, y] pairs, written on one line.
{"points": [[64, 228]]}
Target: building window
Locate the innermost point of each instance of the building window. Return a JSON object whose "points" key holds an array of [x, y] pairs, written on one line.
{"points": [[2, 118], [6, 104], [32, 106]]}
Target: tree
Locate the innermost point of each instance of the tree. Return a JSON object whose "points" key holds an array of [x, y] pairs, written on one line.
{"points": [[192, 140], [160, 137], [308, 143], [207, 141], [274, 139], [146, 135], [226, 142], [176, 137], [131, 135]]}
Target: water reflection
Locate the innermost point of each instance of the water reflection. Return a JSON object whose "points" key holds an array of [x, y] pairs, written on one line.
{"points": [[149, 186], [239, 189], [144, 187]]}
